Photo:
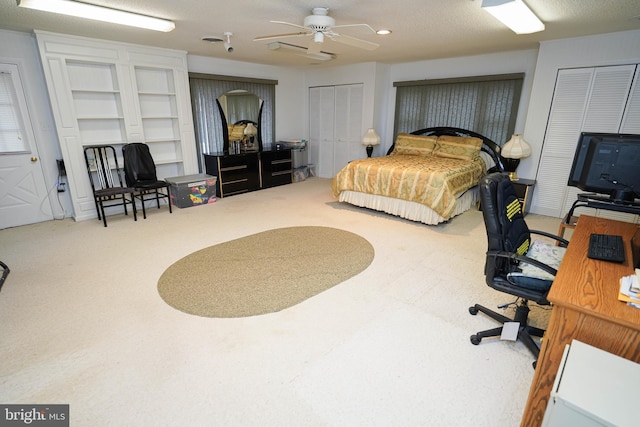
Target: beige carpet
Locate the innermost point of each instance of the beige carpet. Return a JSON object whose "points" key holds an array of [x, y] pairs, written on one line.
{"points": [[265, 272]]}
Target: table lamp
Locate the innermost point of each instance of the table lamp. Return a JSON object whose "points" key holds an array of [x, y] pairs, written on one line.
{"points": [[250, 130], [514, 150], [370, 139]]}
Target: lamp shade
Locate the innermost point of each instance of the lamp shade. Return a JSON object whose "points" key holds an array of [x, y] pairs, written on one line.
{"points": [[516, 148], [370, 138]]}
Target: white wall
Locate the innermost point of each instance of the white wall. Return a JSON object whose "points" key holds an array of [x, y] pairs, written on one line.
{"points": [[605, 49], [291, 118], [22, 48]]}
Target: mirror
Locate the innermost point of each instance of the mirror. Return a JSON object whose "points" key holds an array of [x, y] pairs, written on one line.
{"points": [[241, 112]]}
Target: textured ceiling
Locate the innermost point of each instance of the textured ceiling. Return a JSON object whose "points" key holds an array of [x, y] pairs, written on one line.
{"points": [[422, 29]]}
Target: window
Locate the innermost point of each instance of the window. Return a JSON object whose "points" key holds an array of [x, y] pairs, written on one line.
{"points": [[13, 138], [487, 105]]}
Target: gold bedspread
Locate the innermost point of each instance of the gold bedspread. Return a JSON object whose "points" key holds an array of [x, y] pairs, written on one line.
{"points": [[430, 180]]}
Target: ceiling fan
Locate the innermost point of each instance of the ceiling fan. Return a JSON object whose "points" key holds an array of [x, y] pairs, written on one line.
{"points": [[319, 24]]}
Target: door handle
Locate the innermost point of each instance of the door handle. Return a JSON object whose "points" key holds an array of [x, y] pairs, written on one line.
{"points": [[34, 159]]}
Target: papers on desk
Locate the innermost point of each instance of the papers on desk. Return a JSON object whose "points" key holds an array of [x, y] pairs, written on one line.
{"points": [[630, 289]]}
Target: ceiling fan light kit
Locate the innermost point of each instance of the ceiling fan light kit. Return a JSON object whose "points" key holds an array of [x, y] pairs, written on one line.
{"points": [[99, 13]]}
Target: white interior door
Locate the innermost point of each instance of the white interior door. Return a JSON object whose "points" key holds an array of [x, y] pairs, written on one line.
{"points": [[321, 129], [23, 193], [348, 125]]}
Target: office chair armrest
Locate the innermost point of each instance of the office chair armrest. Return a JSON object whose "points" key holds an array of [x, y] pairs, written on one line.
{"points": [[5, 273], [523, 258], [563, 242]]}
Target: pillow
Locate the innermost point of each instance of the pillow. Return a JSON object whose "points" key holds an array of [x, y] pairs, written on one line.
{"points": [[415, 145], [533, 277], [458, 147], [488, 160]]}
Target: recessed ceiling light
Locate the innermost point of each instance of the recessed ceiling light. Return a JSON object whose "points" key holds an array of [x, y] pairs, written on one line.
{"points": [[383, 32]]}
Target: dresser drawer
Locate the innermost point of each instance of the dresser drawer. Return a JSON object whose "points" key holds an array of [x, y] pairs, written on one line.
{"points": [[277, 168]]}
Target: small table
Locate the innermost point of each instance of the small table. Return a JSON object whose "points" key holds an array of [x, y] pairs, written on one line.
{"points": [[524, 189]]}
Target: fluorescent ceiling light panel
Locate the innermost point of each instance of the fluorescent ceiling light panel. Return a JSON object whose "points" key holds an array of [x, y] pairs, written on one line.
{"points": [[99, 13], [515, 15]]}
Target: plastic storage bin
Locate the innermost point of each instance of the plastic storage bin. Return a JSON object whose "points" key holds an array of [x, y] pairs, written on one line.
{"points": [[192, 190]]}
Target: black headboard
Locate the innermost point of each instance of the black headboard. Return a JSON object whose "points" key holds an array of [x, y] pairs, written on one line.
{"points": [[488, 146]]}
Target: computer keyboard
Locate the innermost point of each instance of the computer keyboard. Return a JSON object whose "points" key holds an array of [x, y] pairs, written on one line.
{"points": [[606, 247]]}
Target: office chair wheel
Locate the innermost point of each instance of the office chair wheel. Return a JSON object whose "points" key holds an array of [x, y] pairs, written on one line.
{"points": [[473, 310], [475, 340]]}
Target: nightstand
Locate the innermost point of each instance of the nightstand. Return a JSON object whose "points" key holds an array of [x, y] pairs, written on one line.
{"points": [[524, 189]]}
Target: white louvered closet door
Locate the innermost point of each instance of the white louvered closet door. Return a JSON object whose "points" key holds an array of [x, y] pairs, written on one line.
{"points": [[631, 119], [585, 100], [321, 129], [335, 127], [348, 125]]}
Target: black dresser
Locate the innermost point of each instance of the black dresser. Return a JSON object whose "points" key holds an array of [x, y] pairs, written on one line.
{"points": [[241, 173]]}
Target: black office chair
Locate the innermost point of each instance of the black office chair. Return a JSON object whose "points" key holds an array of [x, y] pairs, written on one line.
{"points": [[106, 180], [514, 264], [140, 173], [5, 273]]}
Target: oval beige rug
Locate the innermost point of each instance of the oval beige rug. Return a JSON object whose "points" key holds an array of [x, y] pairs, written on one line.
{"points": [[265, 272]]}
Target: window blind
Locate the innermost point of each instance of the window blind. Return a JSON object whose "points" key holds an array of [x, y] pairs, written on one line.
{"points": [[487, 105], [12, 134]]}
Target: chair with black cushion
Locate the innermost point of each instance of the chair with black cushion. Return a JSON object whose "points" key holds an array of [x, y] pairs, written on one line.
{"points": [[140, 173], [107, 182], [514, 263]]}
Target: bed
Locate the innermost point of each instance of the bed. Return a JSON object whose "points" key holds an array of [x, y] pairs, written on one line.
{"points": [[429, 175]]}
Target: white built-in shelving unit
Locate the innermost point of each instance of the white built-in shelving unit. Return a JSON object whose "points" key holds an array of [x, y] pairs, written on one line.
{"points": [[107, 93]]}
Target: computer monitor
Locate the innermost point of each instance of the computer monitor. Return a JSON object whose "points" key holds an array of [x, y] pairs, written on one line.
{"points": [[607, 164]]}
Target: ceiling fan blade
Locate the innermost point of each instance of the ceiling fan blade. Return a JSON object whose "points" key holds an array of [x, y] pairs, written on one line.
{"points": [[367, 26], [314, 47], [352, 41], [290, 24], [280, 36]]}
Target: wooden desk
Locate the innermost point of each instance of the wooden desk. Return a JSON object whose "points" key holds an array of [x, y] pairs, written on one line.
{"points": [[585, 307]]}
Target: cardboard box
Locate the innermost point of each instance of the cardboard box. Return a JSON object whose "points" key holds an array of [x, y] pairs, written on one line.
{"points": [[192, 190]]}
